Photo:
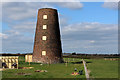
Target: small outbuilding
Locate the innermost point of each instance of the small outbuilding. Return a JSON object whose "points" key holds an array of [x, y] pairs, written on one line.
{"points": [[10, 62]]}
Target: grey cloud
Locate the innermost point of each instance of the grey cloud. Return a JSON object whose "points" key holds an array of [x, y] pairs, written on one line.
{"points": [[71, 5], [27, 26], [21, 11], [25, 10], [111, 5], [77, 37], [17, 42]]}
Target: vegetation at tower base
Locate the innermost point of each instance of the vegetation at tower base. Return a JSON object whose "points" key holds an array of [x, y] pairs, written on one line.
{"points": [[52, 45]]}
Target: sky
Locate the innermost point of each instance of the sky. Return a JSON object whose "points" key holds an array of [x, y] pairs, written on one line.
{"points": [[86, 27]]}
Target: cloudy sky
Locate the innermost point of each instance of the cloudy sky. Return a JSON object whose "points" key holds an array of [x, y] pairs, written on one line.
{"points": [[86, 27]]}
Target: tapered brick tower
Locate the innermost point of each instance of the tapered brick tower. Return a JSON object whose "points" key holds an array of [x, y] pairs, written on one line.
{"points": [[47, 44]]}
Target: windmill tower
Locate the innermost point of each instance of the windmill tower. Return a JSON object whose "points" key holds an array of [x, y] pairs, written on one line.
{"points": [[47, 44]]}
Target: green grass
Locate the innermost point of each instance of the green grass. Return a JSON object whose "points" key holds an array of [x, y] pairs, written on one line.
{"points": [[54, 70], [100, 68]]}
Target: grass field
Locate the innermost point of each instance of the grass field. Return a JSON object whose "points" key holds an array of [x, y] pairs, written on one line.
{"points": [[54, 70], [100, 68]]}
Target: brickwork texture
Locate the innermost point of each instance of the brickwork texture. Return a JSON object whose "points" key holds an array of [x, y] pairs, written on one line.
{"points": [[52, 44]]}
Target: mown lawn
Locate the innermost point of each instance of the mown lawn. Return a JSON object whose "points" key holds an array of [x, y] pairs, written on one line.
{"points": [[54, 70], [100, 68]]}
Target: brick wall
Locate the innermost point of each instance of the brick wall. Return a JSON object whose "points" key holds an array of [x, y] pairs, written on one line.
{"points": [[52, 45]]}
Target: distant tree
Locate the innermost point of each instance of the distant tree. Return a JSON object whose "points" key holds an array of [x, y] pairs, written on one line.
{"points": [[74, 53]]}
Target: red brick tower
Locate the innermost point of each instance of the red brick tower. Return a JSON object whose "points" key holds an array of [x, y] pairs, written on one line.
{"points": [[47, 44]]}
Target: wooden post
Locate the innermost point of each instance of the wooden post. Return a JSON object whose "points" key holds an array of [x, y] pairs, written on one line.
{"points": [[73, 59], [68, 60], [66, 63], [50, 61], [29, 63]]}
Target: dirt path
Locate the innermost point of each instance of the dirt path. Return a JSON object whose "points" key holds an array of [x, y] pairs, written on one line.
{"points": [[86, 71]]}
